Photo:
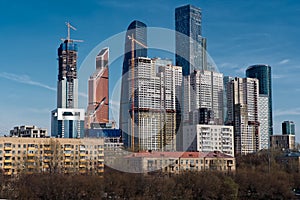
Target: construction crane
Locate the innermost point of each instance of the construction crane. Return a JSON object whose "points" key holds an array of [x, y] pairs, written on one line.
{"points": [[69, 33], [133, 40]]}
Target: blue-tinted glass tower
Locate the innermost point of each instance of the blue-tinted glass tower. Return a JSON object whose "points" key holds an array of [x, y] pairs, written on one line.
{"points": [[288, 128], [190, 45], [137, 30], [263, 74]]}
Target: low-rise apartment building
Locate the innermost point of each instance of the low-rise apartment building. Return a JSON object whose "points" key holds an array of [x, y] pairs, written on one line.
{"points": [[51, 155], [177, 162]]}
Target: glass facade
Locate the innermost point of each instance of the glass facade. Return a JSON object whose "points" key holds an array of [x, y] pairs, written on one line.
{"points": [[137, 30], [288, 128], [263, 74], [189, 42]]}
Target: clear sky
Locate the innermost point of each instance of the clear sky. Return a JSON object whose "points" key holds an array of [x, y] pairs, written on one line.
{"points": [[239, 34]]}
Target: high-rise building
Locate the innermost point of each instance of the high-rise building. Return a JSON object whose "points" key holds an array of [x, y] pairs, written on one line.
{"points": [[263, 74], [288, 128], [263, 118], [203, 89], [226, 81], [242, 102], [98, 99], [67, 120], [156, 85], [136, 30], [190, 45]]}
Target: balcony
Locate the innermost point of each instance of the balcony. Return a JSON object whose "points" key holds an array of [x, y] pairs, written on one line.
{"points": [[7, 154], [68, 148], [31, 166], [68, 154], [7, 148], [100, 170], [46, 160], [47, 149], [46, 166], [68, 160], [82, 171], [82, 154], [30, 154], [82, 166], [8, 172], [8, 161], [31, 148], [7, 167], [30, 160]]}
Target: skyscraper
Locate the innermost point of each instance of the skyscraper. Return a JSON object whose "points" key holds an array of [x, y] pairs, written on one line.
{"points": [[190, 45], [155, 91], [97, 111], [242, 96], [205, 91], [67, 120], [263, 74], [136, 30], [288, 128]]}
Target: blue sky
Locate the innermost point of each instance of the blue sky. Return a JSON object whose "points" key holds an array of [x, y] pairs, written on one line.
{"points": [[239, 34]]}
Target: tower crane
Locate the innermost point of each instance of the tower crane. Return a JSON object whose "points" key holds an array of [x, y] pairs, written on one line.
{"points": [[69, 33], [133, 41]]}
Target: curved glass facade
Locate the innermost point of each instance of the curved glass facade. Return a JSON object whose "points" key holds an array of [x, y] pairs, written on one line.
{"points": [[263, 74]]}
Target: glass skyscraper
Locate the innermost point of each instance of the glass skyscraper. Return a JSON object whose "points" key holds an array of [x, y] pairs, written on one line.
{"points": [[263, 74], [190, 45], [288, 128], [137, 30]]}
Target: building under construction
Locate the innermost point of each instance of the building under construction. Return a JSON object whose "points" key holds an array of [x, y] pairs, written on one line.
{"points": [[154, 105]]}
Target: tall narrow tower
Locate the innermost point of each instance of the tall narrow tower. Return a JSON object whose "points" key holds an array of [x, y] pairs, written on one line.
{"points": [[97, 111], [67, 120], [190, 45], [137, 30]]}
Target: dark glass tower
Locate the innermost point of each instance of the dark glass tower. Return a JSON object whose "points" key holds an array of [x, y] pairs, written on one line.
{"points": [[263, 74], [137, 30], [288, 128], [190, 45]]}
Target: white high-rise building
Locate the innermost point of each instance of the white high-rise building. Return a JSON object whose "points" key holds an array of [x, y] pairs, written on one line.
{"points": [[263, 118], [243, 97], [154, 104], [205, 138], [203, 89]]}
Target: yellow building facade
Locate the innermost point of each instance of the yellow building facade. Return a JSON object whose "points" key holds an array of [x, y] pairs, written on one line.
{"points": [[51, 155]]}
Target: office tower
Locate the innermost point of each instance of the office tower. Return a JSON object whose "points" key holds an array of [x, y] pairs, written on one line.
{"points": [[98, 110], [67, 120], [138, 31], [203, 89], [288, 128], [156, 83], [205, 138], [242, 96], [190, 45], [263, 74]]}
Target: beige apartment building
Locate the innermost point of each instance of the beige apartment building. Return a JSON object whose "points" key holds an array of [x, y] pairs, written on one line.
{"points": [[51, 155], [177, 162]]}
